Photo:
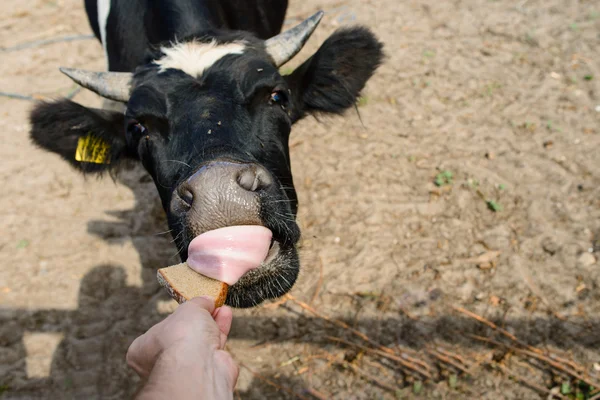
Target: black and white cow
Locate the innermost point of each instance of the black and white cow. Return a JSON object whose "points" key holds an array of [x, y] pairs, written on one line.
{"points": [[207, 113]]}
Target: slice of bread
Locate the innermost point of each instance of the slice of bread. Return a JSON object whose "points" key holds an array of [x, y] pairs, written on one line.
{"points": [[183, 283]]}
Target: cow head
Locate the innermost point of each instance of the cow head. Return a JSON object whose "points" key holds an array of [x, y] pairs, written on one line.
{"points": [[209, 118]]}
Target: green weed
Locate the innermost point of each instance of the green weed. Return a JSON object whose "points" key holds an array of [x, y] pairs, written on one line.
{"points": [[362, 101], [494, 205], [443, 178]]}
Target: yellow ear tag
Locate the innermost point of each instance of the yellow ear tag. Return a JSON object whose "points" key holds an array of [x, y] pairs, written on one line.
{"points": [[93, 150]]}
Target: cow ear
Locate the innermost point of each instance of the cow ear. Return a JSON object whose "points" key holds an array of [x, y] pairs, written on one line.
{"points": [[91, 140], [331, 80]]}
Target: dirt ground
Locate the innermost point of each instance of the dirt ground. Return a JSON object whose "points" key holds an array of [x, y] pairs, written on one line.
{"points": [[496, 101]]}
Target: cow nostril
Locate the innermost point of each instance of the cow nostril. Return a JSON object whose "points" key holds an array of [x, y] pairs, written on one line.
{"points": [[247, 179], [254, 179], [187, 196]]}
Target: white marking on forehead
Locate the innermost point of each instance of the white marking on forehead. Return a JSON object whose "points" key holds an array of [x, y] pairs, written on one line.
{"points": [[194, 57]]}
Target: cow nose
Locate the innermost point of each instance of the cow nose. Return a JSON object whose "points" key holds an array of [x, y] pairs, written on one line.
{"points": [[250, 177], [220, 194]]}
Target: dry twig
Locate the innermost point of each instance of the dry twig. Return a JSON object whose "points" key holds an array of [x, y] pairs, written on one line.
{"points": [[595, 396], [559, 366], [449, 361], [491, 325], [37, 97], [339, 323], [384, 370], [276, 304], [526, 382], [452, 355], [37, 43], [18, 96], [406, 363], [369, 377], [566, 366], [571, 363], [315, 393], [379, 348], [541, 357], [406, 312]]}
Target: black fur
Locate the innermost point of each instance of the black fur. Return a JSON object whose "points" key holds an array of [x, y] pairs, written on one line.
{"points": [[135, 25], [57, 127], [331, 80]]}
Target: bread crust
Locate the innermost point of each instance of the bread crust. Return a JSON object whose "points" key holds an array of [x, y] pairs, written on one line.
{"points": [[176, 280]]}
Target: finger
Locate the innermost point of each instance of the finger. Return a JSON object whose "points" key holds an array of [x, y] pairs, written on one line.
{"points": [[205, 302], [199, 313], [145, 349], [142, 354], [223, 317]]}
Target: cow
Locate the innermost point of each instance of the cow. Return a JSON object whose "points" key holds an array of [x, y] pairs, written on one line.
{"points": [[202, 105]]}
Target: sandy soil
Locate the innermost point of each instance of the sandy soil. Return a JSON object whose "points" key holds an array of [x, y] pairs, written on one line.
{"points": [[502, 94]]}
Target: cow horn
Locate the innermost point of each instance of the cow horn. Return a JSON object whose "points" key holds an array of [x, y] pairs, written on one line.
{"points": [[111, 85], [287, 44]]}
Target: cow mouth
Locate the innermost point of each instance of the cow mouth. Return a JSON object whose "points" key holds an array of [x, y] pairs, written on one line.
{"points": [[274, 277], [273, 251]]}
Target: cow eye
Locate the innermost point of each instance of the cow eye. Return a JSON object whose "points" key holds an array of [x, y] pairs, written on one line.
{"points": [[135, 129], [279, 97]]}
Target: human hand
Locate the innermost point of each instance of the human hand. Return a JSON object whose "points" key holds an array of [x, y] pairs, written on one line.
{"points": [[183, 355]]}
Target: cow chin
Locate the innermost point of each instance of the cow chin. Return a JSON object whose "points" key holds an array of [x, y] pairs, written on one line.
{"points": [[273, 278]]}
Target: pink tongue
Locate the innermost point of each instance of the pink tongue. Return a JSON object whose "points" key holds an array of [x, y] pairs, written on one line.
{"points": [[228, 253]]}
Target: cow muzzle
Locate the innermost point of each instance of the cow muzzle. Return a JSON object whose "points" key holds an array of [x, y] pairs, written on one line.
{"points": [[224, 193], [221, 194]]}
